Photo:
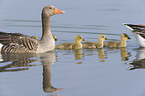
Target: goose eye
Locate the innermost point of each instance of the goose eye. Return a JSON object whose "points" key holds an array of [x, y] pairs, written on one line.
{"points": [[50, 8]]}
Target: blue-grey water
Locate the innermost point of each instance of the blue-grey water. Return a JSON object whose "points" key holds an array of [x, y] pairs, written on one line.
{"points": [[84, 72]]}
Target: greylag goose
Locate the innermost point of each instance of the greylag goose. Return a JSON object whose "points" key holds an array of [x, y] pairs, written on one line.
{"points": [[99, 44], [69, 45], [115, 44], [19, 43], [139, 33]]}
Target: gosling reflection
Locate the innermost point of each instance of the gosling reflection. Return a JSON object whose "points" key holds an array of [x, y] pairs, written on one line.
{"points": [[47, 61], [101, 55], [124, 54], [139, 62], [78, 55]]}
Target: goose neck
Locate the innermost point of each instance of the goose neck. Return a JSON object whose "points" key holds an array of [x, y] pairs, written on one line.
{"points": [[46, 31]]}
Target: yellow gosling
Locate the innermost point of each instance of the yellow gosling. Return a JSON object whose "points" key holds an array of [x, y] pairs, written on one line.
{"points": [[69, 45], [54, 37], [122, 43], [91, 45]]}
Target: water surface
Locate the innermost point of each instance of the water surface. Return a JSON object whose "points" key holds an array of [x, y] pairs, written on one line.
{"points": [[103, 72]]}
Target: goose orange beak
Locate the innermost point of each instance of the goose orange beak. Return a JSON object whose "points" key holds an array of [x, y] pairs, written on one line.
{"points": [[57, 11], [59, 89]]}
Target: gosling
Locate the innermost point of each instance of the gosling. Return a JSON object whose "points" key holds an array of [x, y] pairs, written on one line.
{"points": [[69, 45], [92, 45], [54, 37], [115, 44]]}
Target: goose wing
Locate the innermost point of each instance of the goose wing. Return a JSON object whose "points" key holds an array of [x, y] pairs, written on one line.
{"points": [[137, 28], [18, 39]]}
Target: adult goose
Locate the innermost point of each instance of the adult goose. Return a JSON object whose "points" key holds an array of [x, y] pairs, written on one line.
{"points": [[116, 44], [92, 45], [19, 43], [138, 31], [69, 45]]}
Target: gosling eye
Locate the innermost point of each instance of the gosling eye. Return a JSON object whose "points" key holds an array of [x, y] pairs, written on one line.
{"points": [[125, 35]]}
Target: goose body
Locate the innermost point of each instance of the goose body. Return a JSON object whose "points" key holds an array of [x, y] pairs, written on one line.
{"points": [[114, 44], [90, 44], [69, 45], [138, 31], [19, 43]]}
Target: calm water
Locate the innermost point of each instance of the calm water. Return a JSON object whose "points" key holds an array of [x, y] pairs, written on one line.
{"points": [[102, 72]]}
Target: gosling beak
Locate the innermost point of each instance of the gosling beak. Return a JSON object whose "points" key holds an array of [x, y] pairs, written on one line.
{"points": [[128, 38], [57, 11], [83, 39], [106, 39]]}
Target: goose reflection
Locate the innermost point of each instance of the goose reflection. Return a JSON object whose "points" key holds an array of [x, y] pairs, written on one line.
{"points": [[17, 62], [139, 62], [47, 61], [20, 62]]}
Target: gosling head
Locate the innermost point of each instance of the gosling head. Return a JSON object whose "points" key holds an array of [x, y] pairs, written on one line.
{"points": [[102, 37], [54, 37], [124, 36], [79, 38], [34, 37], [51, 10]]}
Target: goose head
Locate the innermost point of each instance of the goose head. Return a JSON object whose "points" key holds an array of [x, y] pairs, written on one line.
{"points": [[51, 10], [125, 37]]}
